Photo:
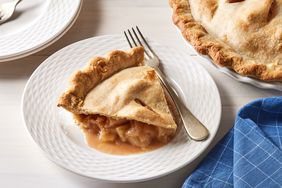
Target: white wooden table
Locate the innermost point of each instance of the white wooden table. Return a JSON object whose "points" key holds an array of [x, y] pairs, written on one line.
{"points": [[22, 164]]}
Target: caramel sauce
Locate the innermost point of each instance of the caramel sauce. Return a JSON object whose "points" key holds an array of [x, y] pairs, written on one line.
{"points": [[117, 147]]}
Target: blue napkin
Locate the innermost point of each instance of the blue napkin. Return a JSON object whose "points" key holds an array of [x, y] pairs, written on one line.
{"points": [[250, 155]]}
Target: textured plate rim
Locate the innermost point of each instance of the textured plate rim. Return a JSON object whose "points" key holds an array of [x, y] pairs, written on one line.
{"points": [[46, 43], [208, 143]]}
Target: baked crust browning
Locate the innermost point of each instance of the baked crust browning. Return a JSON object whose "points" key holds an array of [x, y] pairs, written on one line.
{"points": [[120, 100], [98, 69], [247, 62], [120, 87]]}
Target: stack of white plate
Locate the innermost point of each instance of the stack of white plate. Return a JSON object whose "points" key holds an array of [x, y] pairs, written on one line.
{"points": [[35, 25]]}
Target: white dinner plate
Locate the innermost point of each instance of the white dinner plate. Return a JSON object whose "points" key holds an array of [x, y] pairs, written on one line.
{"points": [[53, 129], [35, 25], [236, 76]]}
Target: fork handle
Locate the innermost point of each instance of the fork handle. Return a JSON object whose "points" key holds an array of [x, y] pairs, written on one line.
{"points": [[195, 129]]}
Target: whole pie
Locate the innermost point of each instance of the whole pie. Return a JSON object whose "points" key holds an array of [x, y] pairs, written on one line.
{"points": [[244, 35], [120, 100]]}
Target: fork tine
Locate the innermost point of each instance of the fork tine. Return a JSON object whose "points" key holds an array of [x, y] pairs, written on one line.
{"points": [[136, 36], [127, 39], [131, 37], [146, 43]]}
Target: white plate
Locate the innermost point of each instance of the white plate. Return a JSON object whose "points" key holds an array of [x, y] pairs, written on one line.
{"points": [[36, 25], [236, 76], [54, 131]]}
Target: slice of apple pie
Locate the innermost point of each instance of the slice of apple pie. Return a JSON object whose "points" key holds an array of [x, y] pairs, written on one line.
{"points": [[120, 100]]}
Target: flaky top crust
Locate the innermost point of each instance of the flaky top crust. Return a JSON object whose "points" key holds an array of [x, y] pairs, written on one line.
{"points": [[221, 52], [98, 69], [121, 87], [134, 93]]}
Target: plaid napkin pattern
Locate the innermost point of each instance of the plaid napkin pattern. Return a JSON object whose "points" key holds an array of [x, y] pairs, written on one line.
{"points": [[250, 155]]}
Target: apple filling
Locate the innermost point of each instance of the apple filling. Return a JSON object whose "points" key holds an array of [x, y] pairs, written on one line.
{"points": [[122, 130]]}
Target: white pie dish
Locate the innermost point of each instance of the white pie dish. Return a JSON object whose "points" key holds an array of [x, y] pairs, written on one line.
{"points": [[244, 79]]}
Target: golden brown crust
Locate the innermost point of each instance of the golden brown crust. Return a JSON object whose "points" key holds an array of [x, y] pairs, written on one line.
{"points": [[96, 71], [119, 87], [131, 94], [221, 53]]}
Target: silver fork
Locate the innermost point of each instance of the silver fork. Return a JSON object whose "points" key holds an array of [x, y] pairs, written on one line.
{"points": [[7, 10], [195, 129]]}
